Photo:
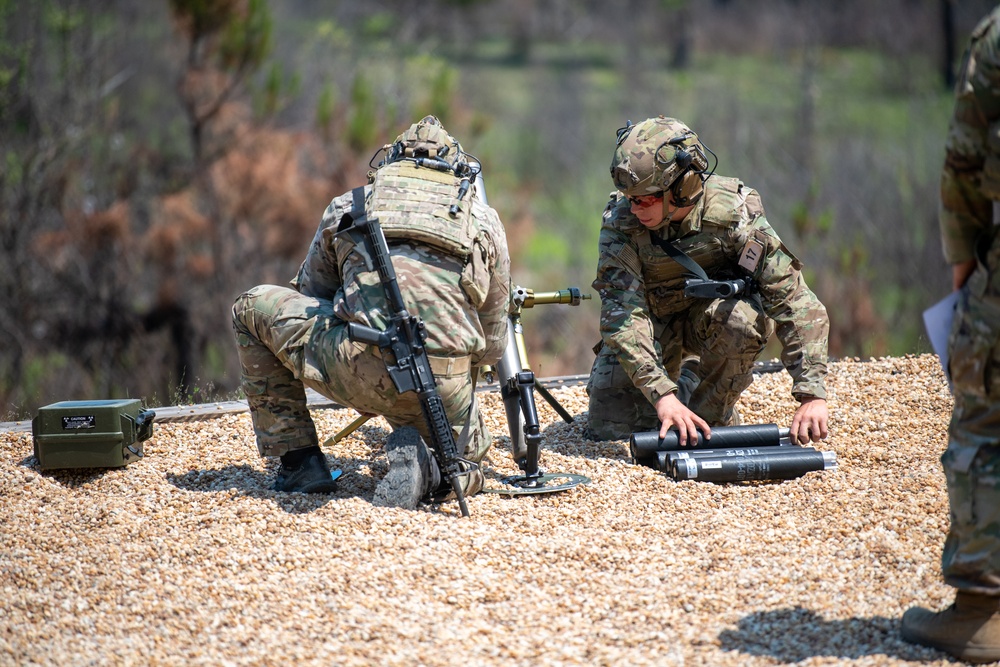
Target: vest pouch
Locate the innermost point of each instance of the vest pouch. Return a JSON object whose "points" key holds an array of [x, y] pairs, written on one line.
{"points": [[475, 280]]}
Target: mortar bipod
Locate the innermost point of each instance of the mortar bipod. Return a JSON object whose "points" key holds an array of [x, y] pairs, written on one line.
{"points": [[517, 386], [515, 357]]}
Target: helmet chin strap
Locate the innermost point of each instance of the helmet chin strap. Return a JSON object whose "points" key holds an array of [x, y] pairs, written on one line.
{"points": [[670, 210]]}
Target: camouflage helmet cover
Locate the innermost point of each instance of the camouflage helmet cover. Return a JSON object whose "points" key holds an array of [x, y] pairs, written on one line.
{"points": [[652, 155], [426, 138]]}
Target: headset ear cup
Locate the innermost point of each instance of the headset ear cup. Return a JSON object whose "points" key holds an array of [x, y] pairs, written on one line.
{"points": [[687, 189]]}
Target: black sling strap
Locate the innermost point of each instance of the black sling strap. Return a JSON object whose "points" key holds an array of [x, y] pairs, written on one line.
{"points": [[358, 195], [678, 256], [357, 209]]}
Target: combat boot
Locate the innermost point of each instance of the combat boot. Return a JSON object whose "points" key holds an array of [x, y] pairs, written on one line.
{"points": [[305, 471], [413, 472], [969, 629]]}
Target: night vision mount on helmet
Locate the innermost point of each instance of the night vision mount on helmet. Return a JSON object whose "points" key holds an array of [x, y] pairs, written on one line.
{"points": [[427, 144], [658, 155]]}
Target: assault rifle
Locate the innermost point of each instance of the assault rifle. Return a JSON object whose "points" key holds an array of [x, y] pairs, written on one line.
{"points": [[403, 342], [517, 384]]}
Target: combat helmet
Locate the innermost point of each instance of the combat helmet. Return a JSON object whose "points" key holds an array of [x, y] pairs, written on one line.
{"points": [[426, 138], [657, 155]]}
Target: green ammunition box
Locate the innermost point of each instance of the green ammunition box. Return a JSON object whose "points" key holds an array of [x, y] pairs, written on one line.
{"points": [[91, 434]]}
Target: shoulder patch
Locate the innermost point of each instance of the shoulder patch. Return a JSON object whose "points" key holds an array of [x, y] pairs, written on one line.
{"points": [[629, 259]]}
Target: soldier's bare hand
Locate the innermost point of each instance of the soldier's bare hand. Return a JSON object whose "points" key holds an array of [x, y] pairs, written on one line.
{"points": [[960, 273], [671, 412], [810, 422]]}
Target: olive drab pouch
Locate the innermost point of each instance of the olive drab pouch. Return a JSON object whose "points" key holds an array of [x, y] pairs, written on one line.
{"points": [[475, 280], [91, 434]]}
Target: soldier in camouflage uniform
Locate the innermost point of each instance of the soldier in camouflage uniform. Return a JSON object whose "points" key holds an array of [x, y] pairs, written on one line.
{"points": [[449, 253], [969, 219], [668, 360]]}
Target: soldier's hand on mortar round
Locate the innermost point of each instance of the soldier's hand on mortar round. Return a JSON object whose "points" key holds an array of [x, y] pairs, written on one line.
{"points": [[671, 412]]}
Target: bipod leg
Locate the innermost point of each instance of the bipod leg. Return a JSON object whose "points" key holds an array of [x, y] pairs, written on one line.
{"points": [[347, 430], [523, 383], [551, 400], [533, 481]]}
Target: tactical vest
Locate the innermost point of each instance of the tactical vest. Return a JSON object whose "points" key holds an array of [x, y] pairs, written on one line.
{"points": [[663, 277], [416, 203], [413, 204]]}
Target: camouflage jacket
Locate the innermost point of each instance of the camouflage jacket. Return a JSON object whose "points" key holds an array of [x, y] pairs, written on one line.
{"points": [[639, 283], [970, 180], [462, 295]]}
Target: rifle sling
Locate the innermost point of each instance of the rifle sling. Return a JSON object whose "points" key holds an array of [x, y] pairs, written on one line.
{"points": [[678, 256], [358, 196]]}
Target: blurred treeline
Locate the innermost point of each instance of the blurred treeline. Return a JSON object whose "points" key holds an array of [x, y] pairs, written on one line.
{"points": [[160, 157]]}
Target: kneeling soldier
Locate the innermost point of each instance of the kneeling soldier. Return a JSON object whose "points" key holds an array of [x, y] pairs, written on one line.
{"points": [[693, 280], [449, 252]]}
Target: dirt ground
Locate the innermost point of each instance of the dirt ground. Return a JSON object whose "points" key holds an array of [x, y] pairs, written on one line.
{"points": [[187, 558]]}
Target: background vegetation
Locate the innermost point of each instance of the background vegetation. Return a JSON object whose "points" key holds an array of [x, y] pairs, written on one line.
{"points": [[158, 158]]}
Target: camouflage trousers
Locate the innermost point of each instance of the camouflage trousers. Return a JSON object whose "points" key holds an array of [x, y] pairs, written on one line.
{"points": [[288, 342], [727, 335], [971, 557]]}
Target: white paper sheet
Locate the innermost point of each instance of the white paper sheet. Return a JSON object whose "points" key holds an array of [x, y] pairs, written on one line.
{"points": [[937, 321]]}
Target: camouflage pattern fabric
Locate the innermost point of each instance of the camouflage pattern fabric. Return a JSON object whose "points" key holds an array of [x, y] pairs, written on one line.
{"points": [[648, 325], [462, 301], [289, 339], [727, 334], [970, 190], [970, 180]]}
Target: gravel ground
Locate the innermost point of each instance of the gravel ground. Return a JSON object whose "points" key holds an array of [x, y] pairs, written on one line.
{"points": [[187, 558]]}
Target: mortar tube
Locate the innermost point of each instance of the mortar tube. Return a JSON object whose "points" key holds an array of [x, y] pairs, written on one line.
{"points": [[508, 366]]}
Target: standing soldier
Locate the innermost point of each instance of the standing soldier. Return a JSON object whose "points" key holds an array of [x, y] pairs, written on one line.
{"points": [[970, 212], [449, 253], [692, 281]]}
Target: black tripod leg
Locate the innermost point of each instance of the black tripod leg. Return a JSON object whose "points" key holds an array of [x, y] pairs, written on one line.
{"points": [[551, 400]]}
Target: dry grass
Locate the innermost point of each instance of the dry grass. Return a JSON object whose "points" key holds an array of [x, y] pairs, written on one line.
{"points": [[187, 558]]}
